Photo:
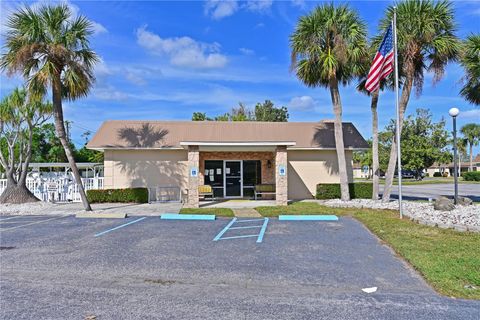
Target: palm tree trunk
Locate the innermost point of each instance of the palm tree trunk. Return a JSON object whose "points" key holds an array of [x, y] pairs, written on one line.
{"points": [[392, 163], [342, 164], [375, 161], [470, 168], [62, 136]]}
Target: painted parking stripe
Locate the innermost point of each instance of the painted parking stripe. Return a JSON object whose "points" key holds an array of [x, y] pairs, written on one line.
{"points": [[224, 230], [249, 227], [249, 220], [36, 222], [262, 232], [9, 218], [307, 218], [120, 226], [237, 237]]}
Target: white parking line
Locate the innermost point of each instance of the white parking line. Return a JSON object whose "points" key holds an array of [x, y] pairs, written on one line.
{"points": [[10, 218], [29, 224]]}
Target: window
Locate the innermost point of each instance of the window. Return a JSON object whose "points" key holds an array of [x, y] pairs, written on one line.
{"points": [[252, 175], [213, 176]]}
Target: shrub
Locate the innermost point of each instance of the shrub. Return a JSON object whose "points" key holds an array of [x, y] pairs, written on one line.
{"points": [[471, 176], [445, 175], [136, 195], [362, 190], [437, 174]]}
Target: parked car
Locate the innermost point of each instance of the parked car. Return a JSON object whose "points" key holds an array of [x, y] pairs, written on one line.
{"points": [[411, 174]]}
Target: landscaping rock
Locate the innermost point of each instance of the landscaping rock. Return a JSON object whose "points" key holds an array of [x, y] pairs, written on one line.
{"points": [[464, 201], [423, 212], [443, 204]]}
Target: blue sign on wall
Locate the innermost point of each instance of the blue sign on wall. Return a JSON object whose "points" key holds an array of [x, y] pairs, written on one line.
{"points": [[194, 172], [282, 171]]}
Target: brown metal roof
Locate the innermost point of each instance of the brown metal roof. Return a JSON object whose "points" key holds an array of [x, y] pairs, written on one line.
{"points": [[169, 134]]}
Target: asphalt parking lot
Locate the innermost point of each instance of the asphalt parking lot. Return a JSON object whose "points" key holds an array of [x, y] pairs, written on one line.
{"points": [[147, 268]]}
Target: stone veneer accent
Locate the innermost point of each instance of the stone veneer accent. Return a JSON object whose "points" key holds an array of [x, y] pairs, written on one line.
{"points": [[193, 182], [281, 181], [268, 174]]}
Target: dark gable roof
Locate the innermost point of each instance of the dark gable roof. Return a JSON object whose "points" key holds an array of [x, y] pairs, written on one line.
{"points": [[169, 134]]}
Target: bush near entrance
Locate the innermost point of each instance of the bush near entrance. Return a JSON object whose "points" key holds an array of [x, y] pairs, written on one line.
{"points": [[471, 176], [136, 195], [332, 190]]}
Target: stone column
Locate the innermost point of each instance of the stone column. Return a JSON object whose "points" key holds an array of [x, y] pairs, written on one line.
{"points": [[193, 163], [281, 181]]}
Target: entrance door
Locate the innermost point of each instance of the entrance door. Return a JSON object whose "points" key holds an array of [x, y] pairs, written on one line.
{"points": [[233, 179]]}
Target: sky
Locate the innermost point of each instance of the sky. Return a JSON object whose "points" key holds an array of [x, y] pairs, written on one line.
{"points": [[164, 60]]}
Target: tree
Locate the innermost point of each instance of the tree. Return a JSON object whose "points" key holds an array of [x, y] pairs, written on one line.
{"points": [[268, 112], [471, 132], [20, 113], [200, 116], [470, 60], [426, 42], [328, 48], [50, 48], [263, 112], [423, 141]]}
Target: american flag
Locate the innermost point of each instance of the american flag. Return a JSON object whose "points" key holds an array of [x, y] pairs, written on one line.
{"points": [[382, 65]]}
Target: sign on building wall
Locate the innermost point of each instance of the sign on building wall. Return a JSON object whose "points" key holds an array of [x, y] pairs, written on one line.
{"points": [[282, 171], [193, 172]]}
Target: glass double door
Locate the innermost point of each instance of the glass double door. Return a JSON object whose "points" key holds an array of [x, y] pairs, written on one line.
{"points": [[233, 178]]}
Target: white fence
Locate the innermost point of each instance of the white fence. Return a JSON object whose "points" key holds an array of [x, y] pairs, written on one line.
{"points": [[57, 189]]}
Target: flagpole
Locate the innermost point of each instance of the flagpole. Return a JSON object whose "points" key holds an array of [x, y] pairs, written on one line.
{"points": [[399, 154]]}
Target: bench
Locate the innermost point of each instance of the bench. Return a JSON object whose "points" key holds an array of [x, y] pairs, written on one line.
{"points": [[204, 191], [263, 189]]}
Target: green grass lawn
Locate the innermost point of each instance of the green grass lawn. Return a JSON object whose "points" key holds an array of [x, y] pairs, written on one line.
{"points": [[447, 259], [219, 212]]}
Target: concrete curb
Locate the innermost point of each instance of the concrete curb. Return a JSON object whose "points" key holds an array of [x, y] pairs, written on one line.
{"points": [[101, 215]]}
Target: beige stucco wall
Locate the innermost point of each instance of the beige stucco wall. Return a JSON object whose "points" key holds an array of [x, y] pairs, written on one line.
{"points": [[145, 168], [150, 168], [308, 168]]}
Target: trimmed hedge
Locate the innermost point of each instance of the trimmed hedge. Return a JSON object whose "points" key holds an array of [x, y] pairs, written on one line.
{"points": [[136, 195], [437, 174], [361, 190], [471, 176]]}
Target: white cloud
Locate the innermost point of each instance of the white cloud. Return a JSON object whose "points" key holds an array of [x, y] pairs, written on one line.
{"points": [[259, 25], [219, 9], [135, 78], [183, 51], [98, 28], [299, 3], [247, 52], [470, 114], [110, 93], [258, 5], [302, 103], [101, 69], [7, 8]]}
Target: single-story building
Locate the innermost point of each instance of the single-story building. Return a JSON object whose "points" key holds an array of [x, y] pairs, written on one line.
{"points": [[231, 157]]}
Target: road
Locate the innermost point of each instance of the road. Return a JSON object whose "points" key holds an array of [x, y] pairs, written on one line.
{"points": [[426, 191]]}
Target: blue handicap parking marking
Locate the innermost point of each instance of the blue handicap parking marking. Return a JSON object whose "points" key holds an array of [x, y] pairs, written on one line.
{"points": [[120, 226], [230, 227]]}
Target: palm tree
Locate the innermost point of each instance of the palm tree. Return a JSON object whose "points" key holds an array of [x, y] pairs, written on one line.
{"points": [[50, 48], [328, 48], [426, 42], [471, 133], [470, 60]]}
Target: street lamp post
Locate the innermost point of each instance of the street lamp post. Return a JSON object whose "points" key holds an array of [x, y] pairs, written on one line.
{"points": [[453, 112]]}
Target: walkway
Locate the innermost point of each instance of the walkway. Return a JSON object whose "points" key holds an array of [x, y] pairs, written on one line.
{"points": [[246, 213]]}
